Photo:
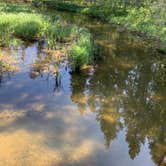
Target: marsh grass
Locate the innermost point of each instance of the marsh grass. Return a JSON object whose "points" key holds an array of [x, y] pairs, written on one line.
{"points": [[23, 26], [82, 50]]}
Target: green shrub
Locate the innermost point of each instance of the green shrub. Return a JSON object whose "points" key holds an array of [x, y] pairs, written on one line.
{"points": [[82, 51]]}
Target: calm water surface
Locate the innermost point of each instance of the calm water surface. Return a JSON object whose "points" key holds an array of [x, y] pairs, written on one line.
{"points": [[111, 116]]}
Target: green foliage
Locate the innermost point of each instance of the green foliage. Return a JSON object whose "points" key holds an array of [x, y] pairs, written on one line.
{"points": [[18, 26], [28, 30], [145, 16], [15, 8], [21, 25], [82, 51], [58, 32]]}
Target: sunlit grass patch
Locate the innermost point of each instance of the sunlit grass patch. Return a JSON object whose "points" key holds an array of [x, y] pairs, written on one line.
{"points": [[22, 25]]}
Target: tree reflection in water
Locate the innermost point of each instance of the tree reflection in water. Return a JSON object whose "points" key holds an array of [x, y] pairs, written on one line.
{"points": [[127, 96], [124, 92]]}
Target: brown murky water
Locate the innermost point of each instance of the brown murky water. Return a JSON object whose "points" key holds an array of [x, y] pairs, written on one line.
{"points": [[111, 116]]}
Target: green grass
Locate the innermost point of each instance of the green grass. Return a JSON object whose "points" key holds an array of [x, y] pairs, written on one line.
{"points": [[82, 51], [25, 26], [59, 33], [15, 8]]}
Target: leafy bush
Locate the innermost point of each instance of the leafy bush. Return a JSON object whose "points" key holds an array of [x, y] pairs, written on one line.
{"points": [[82, 51]]}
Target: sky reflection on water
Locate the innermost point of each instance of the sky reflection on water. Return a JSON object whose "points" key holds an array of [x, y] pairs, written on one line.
{"points": [[110, 116]]}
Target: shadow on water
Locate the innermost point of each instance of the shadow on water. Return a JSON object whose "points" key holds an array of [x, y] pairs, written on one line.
{"points": [[111, 115]]}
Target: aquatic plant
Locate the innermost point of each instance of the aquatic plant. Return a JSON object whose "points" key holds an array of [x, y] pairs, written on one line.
{"points": [[82, 50], [74, 40], [22, 25]]}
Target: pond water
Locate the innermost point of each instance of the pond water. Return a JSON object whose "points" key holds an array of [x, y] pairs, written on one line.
{"points": [[112, 115]]}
